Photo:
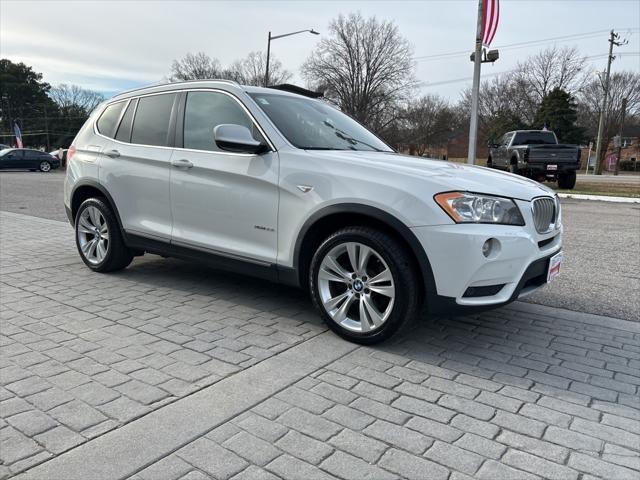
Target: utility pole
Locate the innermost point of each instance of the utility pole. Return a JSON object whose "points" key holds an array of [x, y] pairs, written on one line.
{"points": [[622, 114], [477, 62], [605, 100]]}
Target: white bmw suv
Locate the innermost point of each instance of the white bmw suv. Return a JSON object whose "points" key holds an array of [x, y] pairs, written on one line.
{"points": [[285, 187]]}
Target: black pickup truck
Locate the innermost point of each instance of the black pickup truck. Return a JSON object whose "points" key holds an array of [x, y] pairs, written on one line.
{"points": [[536, 154]]}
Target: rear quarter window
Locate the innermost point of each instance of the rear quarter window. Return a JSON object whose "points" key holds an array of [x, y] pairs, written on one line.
{"points": [[108, 121], [124, 130]]}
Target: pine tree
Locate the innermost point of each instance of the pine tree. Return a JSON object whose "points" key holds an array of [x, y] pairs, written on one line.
{"points": [[558, 112]]}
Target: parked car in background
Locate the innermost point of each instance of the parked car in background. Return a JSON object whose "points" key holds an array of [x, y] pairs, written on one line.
{"points": [[536, 154], [288, 188], [27, 159], [3, 146]]}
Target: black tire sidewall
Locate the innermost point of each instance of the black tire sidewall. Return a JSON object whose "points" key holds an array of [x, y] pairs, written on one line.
{"points": [[567, 181], [405, 301], [111, 225]]}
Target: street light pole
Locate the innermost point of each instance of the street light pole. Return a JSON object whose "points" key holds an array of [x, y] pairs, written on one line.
{"points": [[477, 62], [266, 70], [275, 37]]}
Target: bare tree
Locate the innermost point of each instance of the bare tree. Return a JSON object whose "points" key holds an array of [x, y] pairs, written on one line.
{"points": [[251, 70], [554, 67], [365, 66], [624, 84], [429, 122], [72, 98], [499, 109], [198, 66], [247, 71]]}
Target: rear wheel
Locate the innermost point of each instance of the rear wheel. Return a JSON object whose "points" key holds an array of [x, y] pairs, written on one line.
{"points": [[364, 284], [567, 181], [45, 166], [513, 167], [98, 237]]}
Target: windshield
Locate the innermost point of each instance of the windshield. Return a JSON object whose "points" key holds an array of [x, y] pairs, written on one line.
{"points": [[314, 125], [535, 138]]}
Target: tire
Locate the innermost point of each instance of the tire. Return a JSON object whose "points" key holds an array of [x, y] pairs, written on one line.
{"points": [[396, 298], [489, 162], [566, 181], [96, 222], [513, 168], [45, 166]]}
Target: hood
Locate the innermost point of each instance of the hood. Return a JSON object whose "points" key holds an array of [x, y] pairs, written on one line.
{"points": [[443, 175]]}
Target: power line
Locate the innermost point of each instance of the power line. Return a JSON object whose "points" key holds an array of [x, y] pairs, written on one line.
{"points": [[512, 46], [504, 72]]}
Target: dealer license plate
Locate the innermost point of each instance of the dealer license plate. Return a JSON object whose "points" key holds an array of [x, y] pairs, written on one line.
{"points": [[554, 266], [552, 167]]}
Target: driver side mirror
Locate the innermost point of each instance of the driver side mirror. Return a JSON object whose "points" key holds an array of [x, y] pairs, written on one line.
{"points": [[237, 139]]}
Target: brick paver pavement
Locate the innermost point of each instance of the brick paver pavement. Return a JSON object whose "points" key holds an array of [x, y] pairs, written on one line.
{"points": [[170, 370]]}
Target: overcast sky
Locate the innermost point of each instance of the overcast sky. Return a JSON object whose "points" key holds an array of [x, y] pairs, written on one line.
{"points": [[114, 45]]}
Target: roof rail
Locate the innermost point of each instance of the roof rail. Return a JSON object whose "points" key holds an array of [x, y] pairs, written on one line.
{"points": [[287, 87], [221, 80]]}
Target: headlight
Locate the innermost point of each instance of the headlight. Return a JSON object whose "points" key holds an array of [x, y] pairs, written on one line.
{"points": [[465, 207]]}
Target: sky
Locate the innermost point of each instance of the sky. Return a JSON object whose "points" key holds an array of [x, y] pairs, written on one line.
{"points": [[110, 46]]}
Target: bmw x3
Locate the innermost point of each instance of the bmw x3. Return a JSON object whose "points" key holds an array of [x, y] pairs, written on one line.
{"points": [[286, 187]]}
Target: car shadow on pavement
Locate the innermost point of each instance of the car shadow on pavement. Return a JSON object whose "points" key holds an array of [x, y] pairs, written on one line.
{"points": [[426, 337]]}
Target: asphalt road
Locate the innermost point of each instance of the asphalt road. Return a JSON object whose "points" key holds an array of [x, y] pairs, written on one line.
{"points": [[601, 274]]}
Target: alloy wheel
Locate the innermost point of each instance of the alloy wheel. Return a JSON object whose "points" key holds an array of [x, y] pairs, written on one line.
{"points": [[356, 287], [93, 235], [45, 167]]}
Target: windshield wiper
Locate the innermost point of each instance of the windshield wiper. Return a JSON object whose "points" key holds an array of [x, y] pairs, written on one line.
{"points": [[345, 136]]}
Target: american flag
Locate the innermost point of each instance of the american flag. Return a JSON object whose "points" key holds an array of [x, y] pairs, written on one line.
{"points": [[16, 130], [491, 16]]}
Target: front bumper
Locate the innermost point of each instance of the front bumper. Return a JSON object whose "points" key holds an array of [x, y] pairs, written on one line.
{"points": [[459, 266]]}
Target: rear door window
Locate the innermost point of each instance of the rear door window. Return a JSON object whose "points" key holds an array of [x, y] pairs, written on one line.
{"points": [[108, 121], [151, 123]]}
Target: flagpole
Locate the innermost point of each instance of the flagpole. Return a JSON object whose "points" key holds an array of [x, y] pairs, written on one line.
{"points": [[477, 62]]}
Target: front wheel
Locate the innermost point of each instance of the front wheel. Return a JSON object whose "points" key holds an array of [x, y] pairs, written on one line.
{"points": [[98, 237], [566, 181], [45, 166], [364, 284], [513, 168]]}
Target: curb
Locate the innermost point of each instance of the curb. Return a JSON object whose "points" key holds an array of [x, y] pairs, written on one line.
{"points": [[600, 198]]}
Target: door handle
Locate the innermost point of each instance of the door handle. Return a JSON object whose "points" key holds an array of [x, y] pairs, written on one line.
{"points": [[112, 153], [182, 163]]}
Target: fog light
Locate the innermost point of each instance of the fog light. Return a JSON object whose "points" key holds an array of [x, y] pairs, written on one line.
{"points": [[486, 248], [491, 248]]}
